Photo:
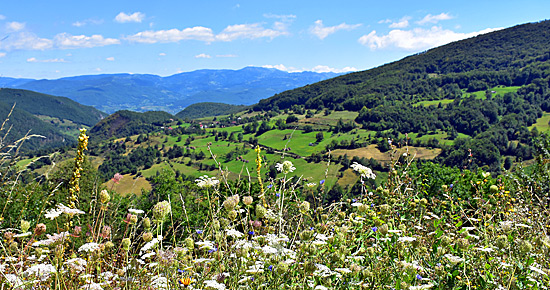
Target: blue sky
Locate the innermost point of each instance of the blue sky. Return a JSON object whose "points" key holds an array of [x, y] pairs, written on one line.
{"points": [[55, 38]]}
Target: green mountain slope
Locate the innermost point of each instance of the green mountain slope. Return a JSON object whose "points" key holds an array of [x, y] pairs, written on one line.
{"points": [[207, 109], [514, 56], [126, 123], [52, 106], [492, 88], [56, 118]]}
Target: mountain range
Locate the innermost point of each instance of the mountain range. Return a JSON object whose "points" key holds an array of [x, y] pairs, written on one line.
{"points": [[144, 92]]}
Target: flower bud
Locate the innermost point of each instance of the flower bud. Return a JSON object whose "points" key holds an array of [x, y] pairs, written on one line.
{"points": [[147, 237], [39, 229], [247, 200], [126, 244], [25, 225], [104, 196]]}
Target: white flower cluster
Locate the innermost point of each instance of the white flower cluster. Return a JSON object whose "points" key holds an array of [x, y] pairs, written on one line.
{"points": [[205, 181], [89, 247], [286, 167], [61, 208], [364, 171], [52, 239]]}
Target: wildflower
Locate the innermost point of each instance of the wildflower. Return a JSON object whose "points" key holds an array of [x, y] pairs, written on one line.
{"points": [[374, 229], [135, 211], [286, 167], [147, 223], [311, 185], [454, 259], [147, 237], [321, 182], [420, 287], [77, 264], [149, 245], [25, 225], [159, 282], [161, 210], [185, 281], [13, 280], [89, 247], [205, 181], [91, 286], [40, 271], [54, 213], [39, 229], [247, 200], [22, 235], [104, 196], [364, 171], [52, 239], [126, 244], [213, 284], [233, 233], [117, 177], [406, 239]]}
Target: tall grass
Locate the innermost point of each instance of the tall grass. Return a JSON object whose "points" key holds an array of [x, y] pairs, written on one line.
{"points": [[283, 237]]}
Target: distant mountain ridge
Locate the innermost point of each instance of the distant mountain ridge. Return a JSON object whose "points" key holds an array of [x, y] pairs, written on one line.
{"points": [[145, 92]]}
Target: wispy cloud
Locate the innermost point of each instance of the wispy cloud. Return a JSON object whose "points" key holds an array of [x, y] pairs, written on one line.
{"points": [[434, 18], [200, 33], [67, 41], [173, 35], [134, 17], [2, 54], [88, 21], [417, 38], [25, 41], [318, 69], [162, 54], [202, 55], [33, 59], [402, 23], [321, 31], [111, 58], [250, 31], [15, 26], [2, 17]]}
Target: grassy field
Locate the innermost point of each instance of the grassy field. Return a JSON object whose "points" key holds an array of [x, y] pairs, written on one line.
{"points": [[372, 151], [542, 123]]}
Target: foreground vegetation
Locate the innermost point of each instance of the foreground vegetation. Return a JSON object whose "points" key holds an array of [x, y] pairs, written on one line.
{"points": [[424, 227]]}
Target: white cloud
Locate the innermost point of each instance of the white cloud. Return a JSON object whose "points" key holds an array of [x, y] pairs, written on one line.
{"points": [[318, 69], [324, 68], [322, 31], [98, 69], [202, 55], [162, 54], [282, 67], [33, 59], [2, 54], [134, 17], [434, 18], [111, 58], [416, 39], [250, 31], [230, 33], [25, 41], [403, 23], [87, 21], [173, 35], [15, 26], [67, 41]]}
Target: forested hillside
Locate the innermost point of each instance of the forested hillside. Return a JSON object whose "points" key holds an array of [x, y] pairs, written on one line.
{"points": [[209, 109], [55, 118], [508, 70]]}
